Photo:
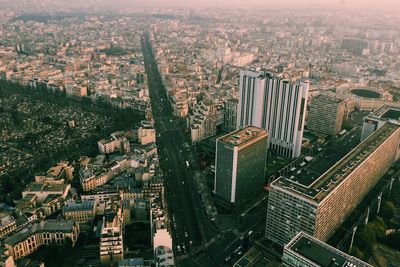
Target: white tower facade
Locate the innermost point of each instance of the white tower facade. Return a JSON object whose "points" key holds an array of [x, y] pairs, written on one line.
{"points": [[275, 105]]}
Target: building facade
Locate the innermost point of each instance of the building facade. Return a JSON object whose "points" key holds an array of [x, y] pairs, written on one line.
{"points": [[111, 240], [116, 142], [92, 176], [306, 251], [319, 205], [81, 212], [240, 164], [146, 133], [7, 224], [203, 121], [230, 115], [29, 239], [275, 105], [326, 115], [378, 118]]}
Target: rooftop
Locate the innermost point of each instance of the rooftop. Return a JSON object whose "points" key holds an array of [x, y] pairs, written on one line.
{"points": [[45, 187], [320, 253], [79, 206], [318, 187], [43, 226], [5, 219], [386, 113], [241, 137], [328, 98], [131, 262]]}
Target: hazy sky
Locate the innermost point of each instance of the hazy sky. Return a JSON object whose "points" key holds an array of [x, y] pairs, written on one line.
{"points": [[391, 5], [363, 4]]}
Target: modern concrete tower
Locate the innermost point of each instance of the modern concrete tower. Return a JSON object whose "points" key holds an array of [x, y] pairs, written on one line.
{"points": [[240, 164], [275, 105], [326, 115]]}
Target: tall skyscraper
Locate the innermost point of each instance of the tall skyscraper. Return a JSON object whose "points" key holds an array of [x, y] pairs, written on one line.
{"points": [[275, 105], [318, 205], [326, 115], [240, 164], [306, 251]]}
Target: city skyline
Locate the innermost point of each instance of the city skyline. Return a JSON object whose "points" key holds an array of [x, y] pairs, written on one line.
{"points": [[361, 5], [199, 133]]}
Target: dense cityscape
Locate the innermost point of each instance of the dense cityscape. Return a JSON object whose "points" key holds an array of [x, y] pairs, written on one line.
{"points": [[162, 133]]}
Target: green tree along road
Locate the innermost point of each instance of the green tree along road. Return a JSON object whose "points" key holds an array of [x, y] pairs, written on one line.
{"points": [[369, 236]]}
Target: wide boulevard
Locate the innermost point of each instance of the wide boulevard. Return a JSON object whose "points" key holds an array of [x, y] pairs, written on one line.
{"points": [[191, 226]]}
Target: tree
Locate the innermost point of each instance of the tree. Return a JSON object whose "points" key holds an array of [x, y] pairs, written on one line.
{"points": [[379, 228], [366, 237], [393, 240], [388, 210], [7, 184], [356, 252]]}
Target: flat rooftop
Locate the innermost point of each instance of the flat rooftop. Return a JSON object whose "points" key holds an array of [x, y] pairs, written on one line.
{"points": [[321, 253], [243, 136], [387, 113], [318, 187], [328, 98], [45, 187], [391, 114]]}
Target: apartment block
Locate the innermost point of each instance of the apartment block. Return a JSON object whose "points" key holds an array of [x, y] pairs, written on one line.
{"points": [[203, 121], [117, 142], [43, 198], [7, 224], [378, 118], [146, 133], [318, 205], [59, 173], [326, 115], [111, 240], [81, 212], [275, 105], [307, 251], [95, 172], [48, 232]]}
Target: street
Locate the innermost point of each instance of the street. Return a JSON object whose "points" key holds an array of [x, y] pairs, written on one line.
{"points": [[197, 241], [191, 227]]}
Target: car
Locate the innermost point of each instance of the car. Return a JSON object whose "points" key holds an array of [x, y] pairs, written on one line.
{"points": [[239, 248]]}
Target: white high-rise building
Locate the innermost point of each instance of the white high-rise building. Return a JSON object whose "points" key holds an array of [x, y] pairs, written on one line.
{"points": [[275, 105]]}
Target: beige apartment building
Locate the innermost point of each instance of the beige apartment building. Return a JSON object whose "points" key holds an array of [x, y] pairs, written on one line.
{"points": [[319, 205], [30, 238]]}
